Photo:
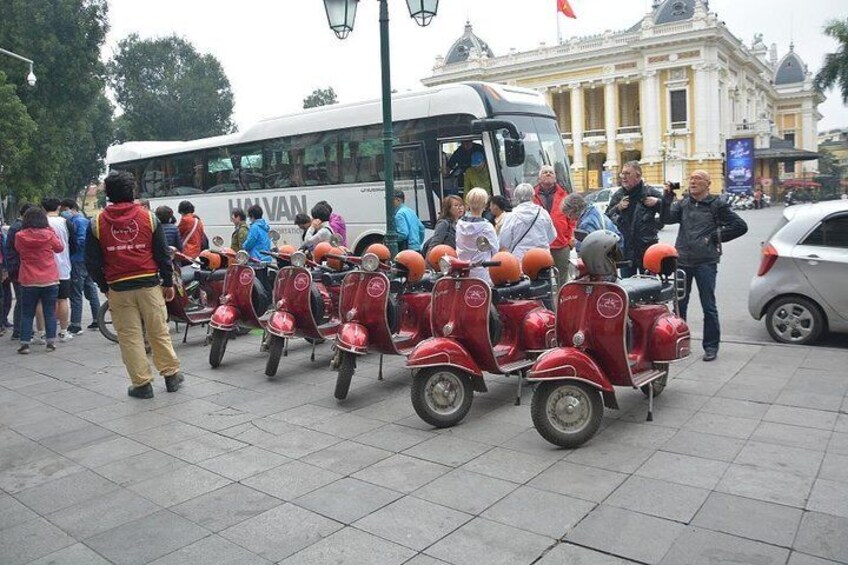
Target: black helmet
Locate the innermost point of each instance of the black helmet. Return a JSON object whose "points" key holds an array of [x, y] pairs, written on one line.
{"points": [[600, 253]]}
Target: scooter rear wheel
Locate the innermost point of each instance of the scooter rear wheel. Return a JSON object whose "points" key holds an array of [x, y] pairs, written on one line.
{"points": [[104, 323], [567, 413], [219, 346], [442, 396], [275, 351], [347, 366], [658, 384]]}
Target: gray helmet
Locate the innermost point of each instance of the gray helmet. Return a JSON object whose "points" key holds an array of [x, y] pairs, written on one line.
{"points": [[600, 252]]}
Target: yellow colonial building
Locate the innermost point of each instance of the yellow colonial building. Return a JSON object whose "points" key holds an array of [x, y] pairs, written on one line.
{"points": [[668, 92]]}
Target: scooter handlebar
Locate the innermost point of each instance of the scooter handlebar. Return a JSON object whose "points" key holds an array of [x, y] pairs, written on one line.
{"points": [[490, 264]]}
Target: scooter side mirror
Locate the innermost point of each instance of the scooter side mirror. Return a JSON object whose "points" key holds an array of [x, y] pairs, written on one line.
{"points": [[218, 241], [335, 240], [274, 235], [483, 244]]}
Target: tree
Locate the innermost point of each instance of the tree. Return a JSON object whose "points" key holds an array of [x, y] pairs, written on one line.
{"points": [[16, 129], [835, 69], [829, 164], [320, 97], [63, 38], [169, 91]]}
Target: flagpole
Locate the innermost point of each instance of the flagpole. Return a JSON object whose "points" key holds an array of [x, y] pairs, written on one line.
{"points": [[559, 33]]}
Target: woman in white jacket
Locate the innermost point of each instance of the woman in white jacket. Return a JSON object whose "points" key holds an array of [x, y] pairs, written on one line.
{"points": [[470, 227], [527, 226]]}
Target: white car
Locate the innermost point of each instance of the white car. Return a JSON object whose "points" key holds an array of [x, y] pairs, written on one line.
{"points": [[600, 198]]}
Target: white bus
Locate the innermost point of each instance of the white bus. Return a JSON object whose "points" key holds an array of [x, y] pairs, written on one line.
{"points": [[335, 153]]}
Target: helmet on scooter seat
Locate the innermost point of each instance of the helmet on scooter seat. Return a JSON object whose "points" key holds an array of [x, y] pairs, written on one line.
{"points": [[320, 250], [210, 260], [287, 249], [381, 251], [438, 252], [335, 264], [413, 262], [661, 259], [535, 260], [509, 270], [600, 253]]}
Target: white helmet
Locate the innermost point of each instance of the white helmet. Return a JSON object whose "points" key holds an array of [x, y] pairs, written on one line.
{"points": [[600, 253]]}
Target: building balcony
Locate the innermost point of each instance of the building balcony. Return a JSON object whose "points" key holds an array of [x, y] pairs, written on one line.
{"points": [[629, 133], [594, 134]]}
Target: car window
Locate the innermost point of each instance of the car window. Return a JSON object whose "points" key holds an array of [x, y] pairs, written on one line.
{"points": [[833, 232]]}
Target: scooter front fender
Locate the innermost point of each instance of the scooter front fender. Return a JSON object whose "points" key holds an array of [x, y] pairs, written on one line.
{"points": [[353, 338], [442, 352], [225, 317], [568, 363], [281, 324]]}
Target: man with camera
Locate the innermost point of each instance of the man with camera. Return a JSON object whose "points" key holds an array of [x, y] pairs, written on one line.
{"points": [[635, 211]]}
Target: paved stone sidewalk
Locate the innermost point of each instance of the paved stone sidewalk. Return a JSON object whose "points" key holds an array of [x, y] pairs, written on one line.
{"points": [[746, 462]]}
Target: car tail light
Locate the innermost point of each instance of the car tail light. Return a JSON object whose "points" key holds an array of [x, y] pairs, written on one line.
{"points": [[768, 260]]}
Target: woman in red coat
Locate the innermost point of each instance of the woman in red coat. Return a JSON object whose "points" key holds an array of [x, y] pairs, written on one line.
{"points": [[38, 275]]}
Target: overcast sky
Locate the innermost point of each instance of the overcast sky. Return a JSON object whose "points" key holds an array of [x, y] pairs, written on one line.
{"points": [[275, 52]]}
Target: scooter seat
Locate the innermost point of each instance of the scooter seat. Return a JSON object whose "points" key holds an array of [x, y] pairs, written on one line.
{"points": [[519, 290], [333, 278], [188, 273], [643, 290], [210, 276]]}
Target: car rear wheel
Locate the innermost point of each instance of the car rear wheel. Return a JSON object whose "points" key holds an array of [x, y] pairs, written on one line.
{"points": [[795, 320]]}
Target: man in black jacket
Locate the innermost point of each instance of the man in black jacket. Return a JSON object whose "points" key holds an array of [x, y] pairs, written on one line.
{"points": [[13, 265], [706, 221], [635, 211]]}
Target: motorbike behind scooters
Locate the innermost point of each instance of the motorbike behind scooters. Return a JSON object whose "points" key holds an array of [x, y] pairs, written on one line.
{"points": [[610, 333]]}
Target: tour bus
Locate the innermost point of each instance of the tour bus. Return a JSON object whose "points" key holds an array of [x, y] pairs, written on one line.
{"points": [[335, 153]]}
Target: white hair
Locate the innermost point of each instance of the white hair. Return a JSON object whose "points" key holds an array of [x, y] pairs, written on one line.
{"points": [[523, 193]]}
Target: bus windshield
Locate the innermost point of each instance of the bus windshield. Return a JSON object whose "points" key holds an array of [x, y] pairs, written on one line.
{"points": [[542, 145]]}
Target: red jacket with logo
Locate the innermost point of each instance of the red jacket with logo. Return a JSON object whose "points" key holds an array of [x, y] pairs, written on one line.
{"points": [[35, 247], [563, 226], [125, 233]]}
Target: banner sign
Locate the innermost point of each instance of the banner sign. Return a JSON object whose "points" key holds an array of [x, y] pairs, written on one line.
{"points": [[740, 165]]}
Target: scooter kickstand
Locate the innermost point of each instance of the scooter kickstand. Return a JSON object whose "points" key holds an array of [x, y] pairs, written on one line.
{"points": [[380, 371], [285, 347], [650, 417], [312, 357], [518, 395]]}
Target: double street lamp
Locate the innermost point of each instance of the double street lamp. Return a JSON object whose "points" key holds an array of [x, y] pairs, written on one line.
{"points": [[341, 15]]}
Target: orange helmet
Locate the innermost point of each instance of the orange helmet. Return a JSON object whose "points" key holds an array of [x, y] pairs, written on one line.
{"points": [[210, 259], [335, 264], [381, 251], [660, 259], [438, 252], [320, 250], [535, 260], [287, 249], [509, 270], [414, 263]]}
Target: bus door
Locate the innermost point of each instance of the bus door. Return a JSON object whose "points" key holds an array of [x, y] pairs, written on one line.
{"points": [[453, 165], [412, 176]]}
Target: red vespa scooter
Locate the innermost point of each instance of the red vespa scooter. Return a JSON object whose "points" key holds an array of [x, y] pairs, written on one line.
{"points": [[471, 336], [387, 315], [245, 299], [611, 332]]}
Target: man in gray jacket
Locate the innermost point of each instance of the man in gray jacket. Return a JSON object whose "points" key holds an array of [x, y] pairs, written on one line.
{"points": [[706, 221]]}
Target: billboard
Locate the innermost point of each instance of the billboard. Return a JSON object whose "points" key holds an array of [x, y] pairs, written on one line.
{"points": [[740, 165]]}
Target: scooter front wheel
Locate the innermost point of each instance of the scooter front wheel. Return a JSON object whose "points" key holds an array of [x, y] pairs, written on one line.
{"points": [[567, 413], [275, 351], [219, 346], [442, 396], [347, 366]]}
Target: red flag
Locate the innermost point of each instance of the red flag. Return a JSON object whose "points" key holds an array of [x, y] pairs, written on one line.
{"points": [[564, 7]]}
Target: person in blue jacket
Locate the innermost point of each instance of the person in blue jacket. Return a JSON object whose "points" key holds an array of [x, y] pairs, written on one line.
{"points": [[588, 218], [81, 282], [409, 228], [257, 234]]}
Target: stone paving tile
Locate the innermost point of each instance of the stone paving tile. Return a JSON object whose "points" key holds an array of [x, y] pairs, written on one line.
{"points": [[212, 549], [748, 518], [490, 431], [683, 469], [146, 539], [640, 435], [351, 547], [225, 507], [346, 426], [704, 547], [204, 446], [793, 436], [141, 467], [766, 484], [48, 421], [566, 553], [347, 500], [819, 419], [705, 446], [412, 522], [631, 530], [838, 444], [291, 480], [178, 486], [66, 491], [299, 443], [280, 532], [802, 462], [834, 468], [77, 554], [346, 457], [402, 473], [579, 481], [509, 465], [659, 498], [13, 512], [465, 491], [484, 541], [243, 463], [107, 452], [16, 450], [721, 425], [447, 450], [538, 511], [36, 473], [134, 423], [738, 408], [168, 434], [610, 456], [829, 497], [803, 559], [31, 540], [823, 535], [102, 513]]}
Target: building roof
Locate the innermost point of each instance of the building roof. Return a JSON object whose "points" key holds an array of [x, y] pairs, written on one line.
{"points": [[791, 69], [468, 46], [675, 11], [783, 150]]}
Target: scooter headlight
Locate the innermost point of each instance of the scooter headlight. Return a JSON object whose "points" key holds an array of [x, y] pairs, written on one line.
{"points": [[242, 258], [445, 264], [298, 259], [370, 262]]}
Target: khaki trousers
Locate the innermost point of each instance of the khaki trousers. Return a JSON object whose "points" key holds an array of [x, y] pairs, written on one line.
{"points": [[561, 257], [135, 312]]}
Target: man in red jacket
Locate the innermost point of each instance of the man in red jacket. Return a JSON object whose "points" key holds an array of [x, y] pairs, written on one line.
{"points": [[127, 256], [550, 195]]}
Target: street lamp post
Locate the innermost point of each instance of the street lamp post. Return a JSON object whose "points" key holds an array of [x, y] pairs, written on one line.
{"points": [[341, 15], [31, 76]]}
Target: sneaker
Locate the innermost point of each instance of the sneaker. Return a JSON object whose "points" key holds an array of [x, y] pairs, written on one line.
{"points": [[24, 349], [710, 355], [65, 336], [172, 383], [93, 326], [74, 330], [16, 337], [51, 346], [38, 339], [8, 324], [145, 391]]}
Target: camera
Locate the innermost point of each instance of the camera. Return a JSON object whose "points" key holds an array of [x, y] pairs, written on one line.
{"points": [[674, 186]]}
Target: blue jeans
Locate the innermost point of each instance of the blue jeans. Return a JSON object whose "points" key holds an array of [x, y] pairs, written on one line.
{"points": [[32, 295], [82, 284], [705, 277]]}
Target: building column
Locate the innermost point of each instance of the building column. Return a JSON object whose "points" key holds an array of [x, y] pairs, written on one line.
{"points": [[611, 123], [577, 125], [706, 112], [650, 108]]}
